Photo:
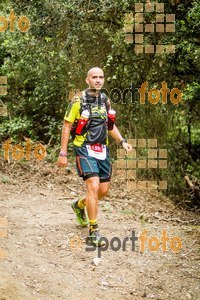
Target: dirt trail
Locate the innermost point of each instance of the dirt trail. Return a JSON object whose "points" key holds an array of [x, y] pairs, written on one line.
{"points": [[43, 263]]}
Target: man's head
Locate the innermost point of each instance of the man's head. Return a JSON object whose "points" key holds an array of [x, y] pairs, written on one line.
{"points": [[95, 78]]}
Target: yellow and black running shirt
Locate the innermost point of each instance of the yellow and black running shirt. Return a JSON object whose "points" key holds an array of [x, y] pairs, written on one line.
{"points": [[97, 131]]}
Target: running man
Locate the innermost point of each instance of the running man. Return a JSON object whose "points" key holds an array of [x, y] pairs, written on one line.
{"points": [[90, 111]]}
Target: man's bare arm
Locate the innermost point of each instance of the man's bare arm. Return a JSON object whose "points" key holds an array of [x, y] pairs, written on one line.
{"points": [[65, 135], [118, 137], [62, 160], [116, 134]]}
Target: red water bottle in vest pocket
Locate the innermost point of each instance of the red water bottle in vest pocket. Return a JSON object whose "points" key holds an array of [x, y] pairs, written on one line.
{"points": [[111, 118], [82, 121]]}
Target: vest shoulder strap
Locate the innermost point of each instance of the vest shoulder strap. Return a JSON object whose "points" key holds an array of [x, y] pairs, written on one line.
{"points": [[85, 105]]}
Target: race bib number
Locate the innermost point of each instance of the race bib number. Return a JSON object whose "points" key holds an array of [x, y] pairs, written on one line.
{"points": [[97, 151]]}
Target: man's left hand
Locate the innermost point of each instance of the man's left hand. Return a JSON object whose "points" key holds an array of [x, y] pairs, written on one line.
{"points": [[127, 147]]}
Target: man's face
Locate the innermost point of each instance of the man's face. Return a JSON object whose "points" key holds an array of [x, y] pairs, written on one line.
{"points": [[95, 79]]}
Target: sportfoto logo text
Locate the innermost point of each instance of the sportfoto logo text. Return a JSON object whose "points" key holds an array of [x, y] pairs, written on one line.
{"points": [[143, 242], [141, 94], [19, 152], [23, 23]]}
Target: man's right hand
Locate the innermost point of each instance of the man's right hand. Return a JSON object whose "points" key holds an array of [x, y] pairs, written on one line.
{"points": [[62, 161]]}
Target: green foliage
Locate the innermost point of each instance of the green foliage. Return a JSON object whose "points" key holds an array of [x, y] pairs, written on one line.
{"points": [[17, 128], [66, 38]]}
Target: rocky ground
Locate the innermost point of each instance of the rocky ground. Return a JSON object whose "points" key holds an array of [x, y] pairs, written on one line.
{"points": [[44, 255]]}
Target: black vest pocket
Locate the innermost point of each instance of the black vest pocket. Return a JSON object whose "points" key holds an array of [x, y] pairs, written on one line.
{"points": [[97, 132]]}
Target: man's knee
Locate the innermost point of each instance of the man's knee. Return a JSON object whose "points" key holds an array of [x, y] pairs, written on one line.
{"points": [[93, 184], [103, 190]]}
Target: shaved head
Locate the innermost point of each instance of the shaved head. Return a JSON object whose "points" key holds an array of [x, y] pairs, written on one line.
{"points": [[94, 70], [95, 79]]}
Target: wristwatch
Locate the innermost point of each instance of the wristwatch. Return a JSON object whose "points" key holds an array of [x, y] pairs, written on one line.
{"points": [[123, 141]]}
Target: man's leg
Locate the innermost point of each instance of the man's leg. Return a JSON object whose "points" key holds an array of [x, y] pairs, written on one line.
{"points": [[87, 168], [103, 189], [90, 169], [92, 185], [95, 190], [81, 203]]}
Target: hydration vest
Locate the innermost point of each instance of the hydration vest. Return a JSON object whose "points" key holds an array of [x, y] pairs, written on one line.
{"points": [[95, 130]]}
